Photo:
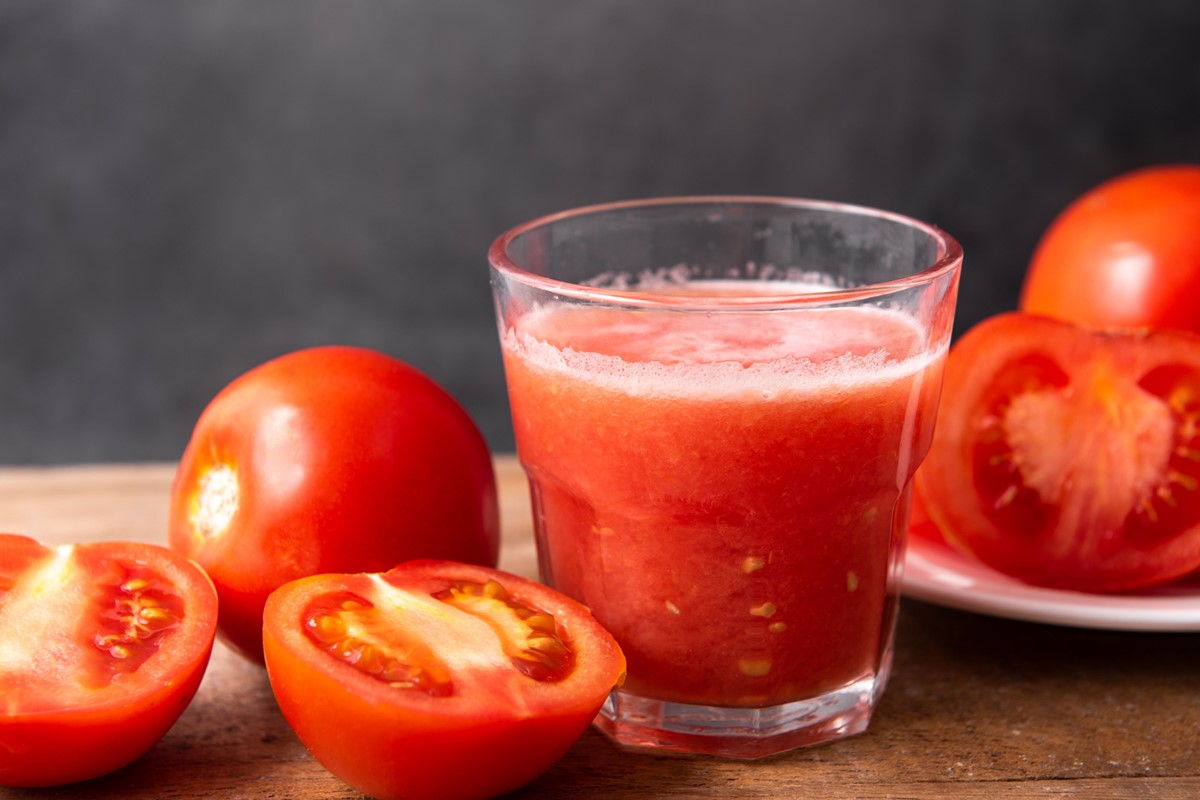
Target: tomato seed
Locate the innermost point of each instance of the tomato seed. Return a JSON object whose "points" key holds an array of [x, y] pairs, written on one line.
{"points": [[155, 615], [326, 628], [342, 626], [539, 621], [754, 667], [1188, 453], [1186, 481], [766, 610], [529, 635], [753, 564], [1007, 496], [548, 645], [135, 611]]}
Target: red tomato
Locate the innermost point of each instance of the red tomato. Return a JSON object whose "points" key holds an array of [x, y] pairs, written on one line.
{"points": [[1069, 458], [436, 679], [1125, 254], [102, 647], [333, 459]]}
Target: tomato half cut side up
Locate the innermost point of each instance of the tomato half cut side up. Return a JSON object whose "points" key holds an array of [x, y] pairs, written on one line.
{"points": [[436, 679], [102, 647], [1069, 458]]}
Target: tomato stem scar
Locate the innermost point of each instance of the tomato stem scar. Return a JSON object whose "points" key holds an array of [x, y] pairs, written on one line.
{"points": [[216, 501]]}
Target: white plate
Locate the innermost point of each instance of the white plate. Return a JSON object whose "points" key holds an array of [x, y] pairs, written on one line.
{"points": [[936, 573]]}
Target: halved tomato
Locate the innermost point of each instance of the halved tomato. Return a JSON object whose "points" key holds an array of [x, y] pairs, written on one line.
{"points": [[102, 647], [1069, 458], [436, 679]]}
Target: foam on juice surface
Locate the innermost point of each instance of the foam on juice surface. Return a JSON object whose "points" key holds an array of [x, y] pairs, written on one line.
{"points": [[720, 353]]}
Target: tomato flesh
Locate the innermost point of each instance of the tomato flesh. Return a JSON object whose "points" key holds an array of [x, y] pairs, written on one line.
{"points": [[437, 665], [103, 646], [1070, 458]]}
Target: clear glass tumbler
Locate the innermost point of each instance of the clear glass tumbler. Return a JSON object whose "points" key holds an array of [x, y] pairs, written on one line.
{"points": [[720, 403]]}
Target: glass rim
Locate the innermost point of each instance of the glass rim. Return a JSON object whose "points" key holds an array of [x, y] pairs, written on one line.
{"points": [[949, 259]]}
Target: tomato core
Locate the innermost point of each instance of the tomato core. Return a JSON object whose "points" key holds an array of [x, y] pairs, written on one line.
{"points": [[1051, 439], [1099, 453]]}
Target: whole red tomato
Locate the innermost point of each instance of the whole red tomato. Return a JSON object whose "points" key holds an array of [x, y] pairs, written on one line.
{"points": [[103, 647], [1069, 458], [1125, 254], [436, 679], [332, 459]]}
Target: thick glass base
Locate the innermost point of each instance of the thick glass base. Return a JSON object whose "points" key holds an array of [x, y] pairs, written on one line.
{"points": [[743, 733]]}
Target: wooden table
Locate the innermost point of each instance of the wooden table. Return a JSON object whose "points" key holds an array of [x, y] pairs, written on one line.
{"points": [[977, 707]]}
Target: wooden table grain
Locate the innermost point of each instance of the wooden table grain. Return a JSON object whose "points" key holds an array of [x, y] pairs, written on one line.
{"points": [[977, 707]]}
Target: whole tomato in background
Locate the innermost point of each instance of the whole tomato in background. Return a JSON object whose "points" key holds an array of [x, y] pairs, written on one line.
{"points": [[1125, 254], [436, 679], [331, 459], [102, 647], [1067, 457]]}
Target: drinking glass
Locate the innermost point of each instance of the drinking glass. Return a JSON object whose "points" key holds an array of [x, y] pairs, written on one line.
{"points": [[720, 403]]}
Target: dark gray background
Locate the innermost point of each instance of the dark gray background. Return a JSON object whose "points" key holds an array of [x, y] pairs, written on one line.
{"points": [[190, 188]]}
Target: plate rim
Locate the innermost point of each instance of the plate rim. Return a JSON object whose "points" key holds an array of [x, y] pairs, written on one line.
{"points": [[999, 595]]}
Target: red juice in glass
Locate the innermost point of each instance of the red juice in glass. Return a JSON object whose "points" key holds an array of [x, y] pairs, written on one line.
{"points": [[727, 488], [724, 499]]}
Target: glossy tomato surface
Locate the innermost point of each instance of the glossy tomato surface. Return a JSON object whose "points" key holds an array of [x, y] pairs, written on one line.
{"points": [[436, 679], [1069, 458], [102, 647], [1125, 254], [332, 459]]}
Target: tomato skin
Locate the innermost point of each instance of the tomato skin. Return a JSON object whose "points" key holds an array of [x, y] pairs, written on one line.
{"points": [[496, 731], [56, 731], [1069, 458], [346, 460], [1124, 254]]}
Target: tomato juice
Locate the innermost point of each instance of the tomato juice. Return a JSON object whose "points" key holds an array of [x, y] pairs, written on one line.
{"points": [[726, 490]]}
